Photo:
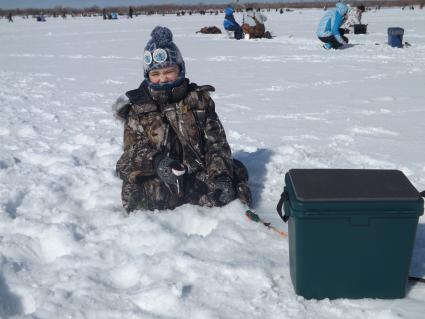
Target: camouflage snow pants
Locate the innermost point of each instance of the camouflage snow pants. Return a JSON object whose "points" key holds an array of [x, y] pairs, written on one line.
{"points": [[154, 194]]}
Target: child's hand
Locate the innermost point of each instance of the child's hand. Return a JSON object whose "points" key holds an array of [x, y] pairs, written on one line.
{"points": [[168, 169], [222, 190]]}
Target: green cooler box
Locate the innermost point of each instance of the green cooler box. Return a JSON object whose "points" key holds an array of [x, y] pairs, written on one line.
{"points": [[351, 231]]}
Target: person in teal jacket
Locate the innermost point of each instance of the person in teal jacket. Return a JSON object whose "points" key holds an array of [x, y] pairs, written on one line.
{"points": [[329, 30]]}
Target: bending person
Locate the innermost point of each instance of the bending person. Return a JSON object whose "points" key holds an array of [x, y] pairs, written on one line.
{"points": [[354, 16], [329, 30]]}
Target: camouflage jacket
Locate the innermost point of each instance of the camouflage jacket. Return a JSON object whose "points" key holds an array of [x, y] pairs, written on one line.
{"points": [[188, 130]]}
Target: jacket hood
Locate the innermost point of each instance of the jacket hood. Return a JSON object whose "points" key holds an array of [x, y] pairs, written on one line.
{"points": [[121, 107], [341, 8], [228, 11]]}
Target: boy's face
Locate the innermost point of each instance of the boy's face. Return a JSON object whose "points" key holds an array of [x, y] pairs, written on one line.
{"points": [[164, 75]]}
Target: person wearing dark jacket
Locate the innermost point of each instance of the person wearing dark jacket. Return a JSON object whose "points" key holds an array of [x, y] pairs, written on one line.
{"points": [[175, 147]]}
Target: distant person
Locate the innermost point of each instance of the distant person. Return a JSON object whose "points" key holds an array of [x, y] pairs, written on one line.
{"points": [[230, 23], [130, 12], [329, 30], [175, 147], [253, 23], [9, 16], [354, 16], [41, 18], [105, 16]]}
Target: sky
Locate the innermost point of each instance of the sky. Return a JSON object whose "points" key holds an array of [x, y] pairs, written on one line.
{"points": [[11, 4]]}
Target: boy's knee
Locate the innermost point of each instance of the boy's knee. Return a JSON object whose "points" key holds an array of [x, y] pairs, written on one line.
{"points": [[149, 195], [130, 196]]}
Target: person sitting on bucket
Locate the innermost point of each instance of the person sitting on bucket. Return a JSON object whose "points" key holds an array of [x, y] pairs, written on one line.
{"points": [[353, 17], [329, 30], [254, 23], [175, 147], [230, 23]]}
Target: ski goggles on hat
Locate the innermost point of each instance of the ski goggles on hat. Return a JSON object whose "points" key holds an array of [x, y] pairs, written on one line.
{"points": [[158, 55]]}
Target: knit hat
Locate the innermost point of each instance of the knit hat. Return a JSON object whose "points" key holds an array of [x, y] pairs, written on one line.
{"points": [[161, 52], [342, 8]]}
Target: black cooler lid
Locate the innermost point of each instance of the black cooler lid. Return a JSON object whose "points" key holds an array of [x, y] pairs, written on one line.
{"points": [[330, 185]]}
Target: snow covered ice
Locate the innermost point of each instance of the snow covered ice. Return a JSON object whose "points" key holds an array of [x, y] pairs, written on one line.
{"points": [[66, 248]]}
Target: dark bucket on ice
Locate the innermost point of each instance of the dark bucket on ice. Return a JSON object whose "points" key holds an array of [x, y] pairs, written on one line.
{"points": [[395, 37], [360, 28], [351, 232]]}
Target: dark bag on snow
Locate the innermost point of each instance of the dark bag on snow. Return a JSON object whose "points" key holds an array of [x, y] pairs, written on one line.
{"points": [[210, 30], [360, 28]]}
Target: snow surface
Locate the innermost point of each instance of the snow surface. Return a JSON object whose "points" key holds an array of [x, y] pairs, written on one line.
{"points": [[68, 250]]}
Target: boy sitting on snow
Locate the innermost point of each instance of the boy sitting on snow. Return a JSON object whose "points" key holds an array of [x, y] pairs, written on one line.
{"points": [[175, 147]]}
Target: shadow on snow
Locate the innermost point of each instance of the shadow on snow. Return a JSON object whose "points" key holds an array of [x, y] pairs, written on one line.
{"points": [[256, 163]]}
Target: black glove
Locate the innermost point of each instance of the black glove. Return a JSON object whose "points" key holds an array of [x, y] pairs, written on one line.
{"points": [[171, 172], [222, 191]]}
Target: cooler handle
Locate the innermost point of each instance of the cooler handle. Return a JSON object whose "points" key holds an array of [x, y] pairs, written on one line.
{"points": [[283, 197]]}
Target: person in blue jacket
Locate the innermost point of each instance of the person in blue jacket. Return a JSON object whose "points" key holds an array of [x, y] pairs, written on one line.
{"points": [[230, 23], [329, 30]]}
